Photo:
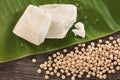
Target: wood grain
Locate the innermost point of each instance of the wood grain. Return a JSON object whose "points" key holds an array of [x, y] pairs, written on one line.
{"points": [[24, 69]]}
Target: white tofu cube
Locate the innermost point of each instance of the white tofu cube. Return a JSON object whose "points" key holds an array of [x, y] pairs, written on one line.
{"points": [[33, 25], [63, 17]]}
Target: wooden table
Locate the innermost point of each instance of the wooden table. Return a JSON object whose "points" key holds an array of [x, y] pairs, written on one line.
{"points": [[24, 69]]}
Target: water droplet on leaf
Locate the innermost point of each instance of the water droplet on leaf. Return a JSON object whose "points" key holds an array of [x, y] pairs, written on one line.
{"points": [[81, 7], [77, 4], [96, 20], [22, 45], [85, 17]]}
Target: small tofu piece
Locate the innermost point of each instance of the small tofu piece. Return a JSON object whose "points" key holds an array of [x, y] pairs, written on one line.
{"points": [[63, 17], [79, 31], [33, 25]]}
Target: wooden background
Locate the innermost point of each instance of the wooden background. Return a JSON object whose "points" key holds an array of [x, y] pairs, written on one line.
{"points": [[24, 69]]}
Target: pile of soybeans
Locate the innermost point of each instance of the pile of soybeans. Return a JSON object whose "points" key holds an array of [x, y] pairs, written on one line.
{"points": [[94, 59]]}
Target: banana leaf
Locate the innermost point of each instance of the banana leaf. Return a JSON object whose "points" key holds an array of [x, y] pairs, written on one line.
{"points": [[101, 18]]}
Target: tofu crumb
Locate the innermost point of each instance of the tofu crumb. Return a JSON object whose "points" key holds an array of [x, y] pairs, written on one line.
{"points": [[79, 31]]}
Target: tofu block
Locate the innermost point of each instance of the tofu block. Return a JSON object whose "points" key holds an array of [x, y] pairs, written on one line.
{"points": [[33, 25], [63, 17]]}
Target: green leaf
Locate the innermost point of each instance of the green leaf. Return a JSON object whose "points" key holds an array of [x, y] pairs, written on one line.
{"points": [[101, 18]]}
